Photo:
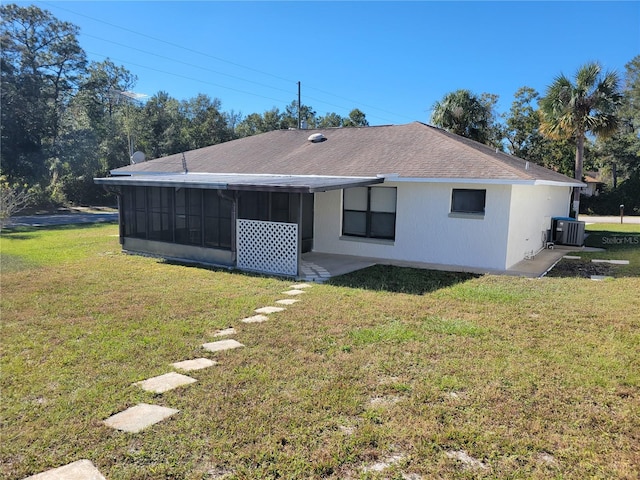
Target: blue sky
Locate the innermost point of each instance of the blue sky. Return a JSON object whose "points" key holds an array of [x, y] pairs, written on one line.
{"points": [[392, 60]]}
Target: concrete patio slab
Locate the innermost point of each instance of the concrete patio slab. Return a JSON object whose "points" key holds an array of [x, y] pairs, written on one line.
{"points": [[314, 272], [255, 319], [80, 470], [287, 301], [221, 345], [135, 419], [166, 382], [319, 267], [293, 292], [269, 310], [225, 332], [534, 267], [195, 364]]}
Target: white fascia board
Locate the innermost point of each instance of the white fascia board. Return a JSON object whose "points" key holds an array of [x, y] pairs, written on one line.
{"points": [[484, 181], [560, 184], [115, 173]]}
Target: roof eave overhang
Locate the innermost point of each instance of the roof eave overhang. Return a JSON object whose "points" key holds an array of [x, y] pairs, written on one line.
{"points": [[292, 184]]}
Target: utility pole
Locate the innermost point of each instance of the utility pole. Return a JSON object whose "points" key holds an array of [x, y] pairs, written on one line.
{"points": [[129, 98], [299, 109]]}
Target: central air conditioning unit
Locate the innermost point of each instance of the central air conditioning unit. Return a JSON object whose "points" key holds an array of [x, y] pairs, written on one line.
{"points": [[567, 231]]}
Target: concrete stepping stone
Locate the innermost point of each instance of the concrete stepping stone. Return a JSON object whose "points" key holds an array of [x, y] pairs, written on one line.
{"points": [[269, 310], [225, 332], [221, 345], [135, 419], [571, 257], [613, 262], [287, 301], [300, 286], [195, 364], [599, 278], [293, 292], [255, 319], [166, 382], [80, 470]]}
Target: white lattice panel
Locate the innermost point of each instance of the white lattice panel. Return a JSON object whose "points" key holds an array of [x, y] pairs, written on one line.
{"points": [[268, 247]]}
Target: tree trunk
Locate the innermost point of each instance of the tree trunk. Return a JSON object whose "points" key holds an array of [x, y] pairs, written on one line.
{"points": [[578, 173]]}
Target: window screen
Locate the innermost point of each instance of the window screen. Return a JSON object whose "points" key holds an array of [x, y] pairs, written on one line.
{"points": [[468, 201]]}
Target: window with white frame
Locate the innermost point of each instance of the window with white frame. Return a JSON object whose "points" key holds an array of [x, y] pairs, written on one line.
{"points": [[369, 212], [471, 201]]}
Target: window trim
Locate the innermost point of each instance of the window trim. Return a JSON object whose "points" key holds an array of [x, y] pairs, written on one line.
{"points": [[369, 217], [468, 213]]}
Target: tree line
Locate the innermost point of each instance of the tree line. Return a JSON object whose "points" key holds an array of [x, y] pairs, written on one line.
{"points": [[65, 120], [590, 122]]}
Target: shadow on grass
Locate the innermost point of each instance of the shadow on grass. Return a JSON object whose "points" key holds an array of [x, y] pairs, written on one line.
{"points": [[24, 233], [222, 269], [13, 263], [401, 279]]}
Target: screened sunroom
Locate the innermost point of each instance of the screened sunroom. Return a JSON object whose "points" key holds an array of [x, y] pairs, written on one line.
{"points": [[255, 223]]}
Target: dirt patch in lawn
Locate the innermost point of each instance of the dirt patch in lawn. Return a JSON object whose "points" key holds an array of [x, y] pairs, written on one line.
{"points": [[581, 268]]}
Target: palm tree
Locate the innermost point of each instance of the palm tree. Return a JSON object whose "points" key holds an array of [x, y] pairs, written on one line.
{"points": [[571, 111], [465, 114]]}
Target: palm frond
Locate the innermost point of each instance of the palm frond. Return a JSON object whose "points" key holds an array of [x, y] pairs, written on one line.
{"points": [[587, 76], [590, 105]]}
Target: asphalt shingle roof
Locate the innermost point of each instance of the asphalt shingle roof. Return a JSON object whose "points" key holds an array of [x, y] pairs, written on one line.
{"points": [[413, 150]]}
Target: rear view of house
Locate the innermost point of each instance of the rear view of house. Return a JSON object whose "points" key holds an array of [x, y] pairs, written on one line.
{"points": [[409, 193]]}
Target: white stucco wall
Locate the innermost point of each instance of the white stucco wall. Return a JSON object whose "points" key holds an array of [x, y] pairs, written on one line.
{"points": [[425, 229], [532, 208]]}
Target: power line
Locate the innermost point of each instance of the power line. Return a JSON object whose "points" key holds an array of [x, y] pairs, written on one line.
{"points": [[185, 63], [243, 79], [214, 71], [170, 43], [206, 82], [360, 103], [127, 62]]}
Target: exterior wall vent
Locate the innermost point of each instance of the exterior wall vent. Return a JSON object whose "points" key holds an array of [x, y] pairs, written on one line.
{"points": [[316, 138]]}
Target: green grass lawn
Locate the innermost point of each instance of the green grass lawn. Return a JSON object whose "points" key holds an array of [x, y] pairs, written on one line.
{"points": [[535, 378]]}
